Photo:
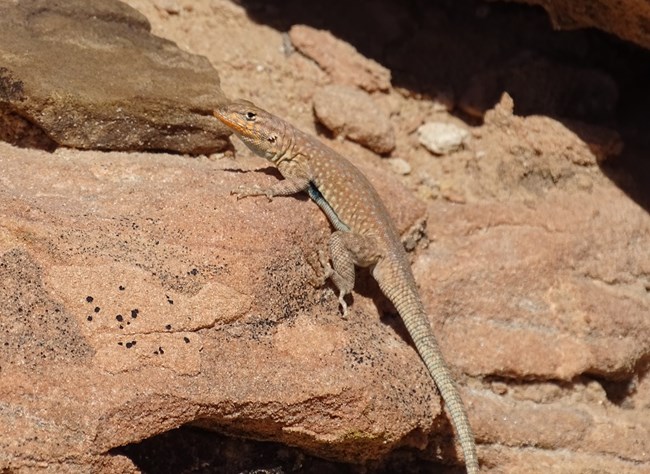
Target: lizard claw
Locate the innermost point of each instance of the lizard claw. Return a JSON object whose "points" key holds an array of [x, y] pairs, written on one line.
{"points": [[255, 190], [344, 306]]}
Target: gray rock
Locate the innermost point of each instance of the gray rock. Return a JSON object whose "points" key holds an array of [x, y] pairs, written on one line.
{"points": [[89, 74]]}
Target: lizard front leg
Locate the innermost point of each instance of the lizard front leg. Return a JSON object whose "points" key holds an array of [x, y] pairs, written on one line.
{"points": [[284, 187], [294, 182]]}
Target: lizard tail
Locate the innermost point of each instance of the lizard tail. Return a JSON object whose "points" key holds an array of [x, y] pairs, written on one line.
{"points": [[407, 302]]}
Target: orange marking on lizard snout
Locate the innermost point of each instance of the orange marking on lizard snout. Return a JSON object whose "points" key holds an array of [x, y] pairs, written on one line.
{"points": [[230, 122]]}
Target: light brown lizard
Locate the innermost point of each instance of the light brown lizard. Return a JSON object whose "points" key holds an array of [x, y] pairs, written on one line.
{"points": [[365, 235]]}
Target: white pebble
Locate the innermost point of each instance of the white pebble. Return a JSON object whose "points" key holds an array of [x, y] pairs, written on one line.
{"points": [[442, 138]]}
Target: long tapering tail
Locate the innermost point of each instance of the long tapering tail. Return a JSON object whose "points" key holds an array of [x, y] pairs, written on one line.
{"points": [[398, 284]]}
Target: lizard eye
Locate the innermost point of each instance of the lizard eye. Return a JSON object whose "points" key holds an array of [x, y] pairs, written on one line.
{"points": [[272, 138], [250, 116]]}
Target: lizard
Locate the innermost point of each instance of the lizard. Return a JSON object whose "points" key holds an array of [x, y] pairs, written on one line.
{"points": [[364, 234]]}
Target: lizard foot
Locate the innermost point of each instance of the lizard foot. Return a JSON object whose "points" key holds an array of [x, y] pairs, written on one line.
{"points": [[255, 190], [344, 306], [321, 267]]}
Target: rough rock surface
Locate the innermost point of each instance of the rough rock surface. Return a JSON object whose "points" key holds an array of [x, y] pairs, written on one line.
{"points": [[339, 59], [128, 291], [89, 74], [535, 274], [352, 113], [627, 19]]}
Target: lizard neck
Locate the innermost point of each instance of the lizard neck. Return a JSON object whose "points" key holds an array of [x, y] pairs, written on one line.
{"points": [[287, 149]]}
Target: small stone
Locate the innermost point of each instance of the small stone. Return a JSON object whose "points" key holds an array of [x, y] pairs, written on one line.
{"points": [[352, 113], [89, 299], [584, 182], [399, 166], [499, 388], [168, 6], [442, 138]]}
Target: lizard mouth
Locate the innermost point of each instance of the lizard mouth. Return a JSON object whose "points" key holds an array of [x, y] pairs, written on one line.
{"points": [[230, 122]]}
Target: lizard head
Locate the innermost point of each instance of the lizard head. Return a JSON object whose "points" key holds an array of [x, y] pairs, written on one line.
{"points": [[259, 130]]}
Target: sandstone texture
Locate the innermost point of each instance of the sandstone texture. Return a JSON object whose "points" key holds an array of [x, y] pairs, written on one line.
{"points": [[627, 19], [339, 59], [151, 322], [352, 113], [124, 316], [89, 74]]}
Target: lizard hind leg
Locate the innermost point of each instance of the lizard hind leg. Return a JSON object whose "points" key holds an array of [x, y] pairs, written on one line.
{"points": [[321, 267], [347, 250]]}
